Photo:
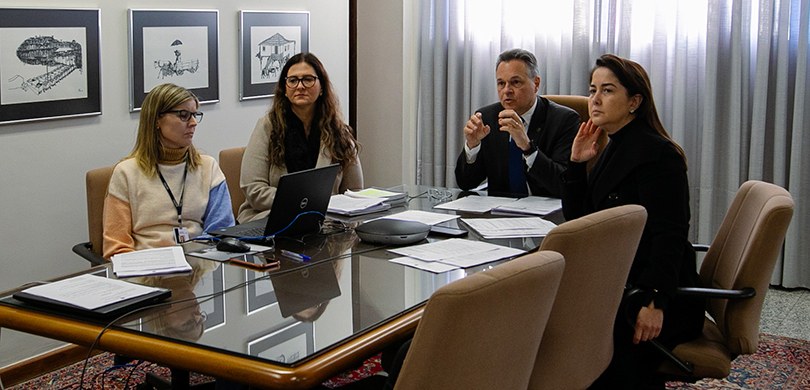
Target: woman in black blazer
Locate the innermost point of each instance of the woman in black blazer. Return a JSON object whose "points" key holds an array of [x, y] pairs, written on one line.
{"points": [[642, 165]]}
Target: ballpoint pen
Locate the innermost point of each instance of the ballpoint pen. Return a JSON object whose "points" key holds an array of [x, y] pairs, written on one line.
{"points": [[296, 256]]}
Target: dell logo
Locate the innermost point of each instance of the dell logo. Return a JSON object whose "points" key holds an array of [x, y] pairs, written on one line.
{"points": [[304, 203]]}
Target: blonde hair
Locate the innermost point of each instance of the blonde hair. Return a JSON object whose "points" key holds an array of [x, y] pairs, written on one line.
{"points": [[147, 147]]}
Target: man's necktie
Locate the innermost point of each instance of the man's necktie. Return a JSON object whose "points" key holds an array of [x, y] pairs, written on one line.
{"points": [[517, 170]]}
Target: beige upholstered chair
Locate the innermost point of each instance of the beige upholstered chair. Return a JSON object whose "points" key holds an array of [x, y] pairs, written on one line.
{"points": [[96, 183], [736, 270], [578, 342], [230, 161], [482, 332], [575, 102]]}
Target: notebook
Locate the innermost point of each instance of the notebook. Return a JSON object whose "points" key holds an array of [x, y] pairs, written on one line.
{"points": [[149, 296], [306, 191], [305, 288]]}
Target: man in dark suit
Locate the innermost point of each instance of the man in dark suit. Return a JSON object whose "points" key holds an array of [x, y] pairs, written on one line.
{"points": [[531, 144]]}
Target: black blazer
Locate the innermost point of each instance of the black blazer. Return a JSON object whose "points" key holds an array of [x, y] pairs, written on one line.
{"points": [[641, 167], [552, 128]]}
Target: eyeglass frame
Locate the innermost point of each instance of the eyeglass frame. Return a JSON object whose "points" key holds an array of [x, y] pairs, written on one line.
{"points": [[198, 115], [300, 80]]}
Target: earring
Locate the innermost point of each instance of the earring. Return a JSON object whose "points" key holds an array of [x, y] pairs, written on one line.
{"points": [[632, 110]]}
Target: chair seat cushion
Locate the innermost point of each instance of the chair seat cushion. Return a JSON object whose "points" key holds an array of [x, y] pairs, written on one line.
{"points": [[708, 353]]}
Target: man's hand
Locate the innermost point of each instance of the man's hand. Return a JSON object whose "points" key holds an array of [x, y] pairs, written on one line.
{"points": [[475, 130], [510, 122]]}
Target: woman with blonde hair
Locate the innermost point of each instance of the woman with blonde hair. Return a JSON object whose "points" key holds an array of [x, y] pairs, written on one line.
{"points": [[165, 192]]}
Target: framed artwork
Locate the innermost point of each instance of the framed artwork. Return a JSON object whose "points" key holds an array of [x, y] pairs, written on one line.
{"points": [[260, 292], [286, 345], [49, 64], [267, 39], [211, 285], [173, 46]]}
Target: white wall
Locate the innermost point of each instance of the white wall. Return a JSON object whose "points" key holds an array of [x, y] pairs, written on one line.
{"points": [[42, 164], [386, 121]]}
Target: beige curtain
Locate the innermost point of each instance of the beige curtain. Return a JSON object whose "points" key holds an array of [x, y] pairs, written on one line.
{"points": [[730, 81]]}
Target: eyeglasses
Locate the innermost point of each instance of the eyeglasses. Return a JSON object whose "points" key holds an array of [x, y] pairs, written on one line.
{"points": [[185, 115], [308, 81]]}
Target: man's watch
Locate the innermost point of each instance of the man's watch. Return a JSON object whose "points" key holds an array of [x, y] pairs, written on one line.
{"points": [[532, 148]]}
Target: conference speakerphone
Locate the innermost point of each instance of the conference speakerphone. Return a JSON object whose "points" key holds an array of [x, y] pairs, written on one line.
{"points": [[392, 232]]}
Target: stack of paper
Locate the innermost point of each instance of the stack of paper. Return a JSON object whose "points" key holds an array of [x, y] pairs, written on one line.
{"points": [[156, 261], [492, 228], [392, 198], [347, 205], [530, 205]]}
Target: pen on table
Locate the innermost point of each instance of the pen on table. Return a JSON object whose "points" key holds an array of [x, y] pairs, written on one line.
{"points": [[296, 256]]}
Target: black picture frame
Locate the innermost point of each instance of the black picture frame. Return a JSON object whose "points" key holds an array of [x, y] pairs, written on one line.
{"points": [[212, 285], [259, 292], [286, 345], [182, 47], [68, 83], [277, 34]]}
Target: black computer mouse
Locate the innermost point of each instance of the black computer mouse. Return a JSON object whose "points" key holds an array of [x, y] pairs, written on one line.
{"points": [[230, 244]]}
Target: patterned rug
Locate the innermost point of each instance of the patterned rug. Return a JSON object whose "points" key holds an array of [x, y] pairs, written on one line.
{"points": [[780, 363]]}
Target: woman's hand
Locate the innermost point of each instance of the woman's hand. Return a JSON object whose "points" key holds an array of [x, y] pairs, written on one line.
{"points": [[648, 323], [586, 142]]}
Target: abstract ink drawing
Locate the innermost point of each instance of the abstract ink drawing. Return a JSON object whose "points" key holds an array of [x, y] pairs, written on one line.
{"points": [[58, 59], [178, 66]]}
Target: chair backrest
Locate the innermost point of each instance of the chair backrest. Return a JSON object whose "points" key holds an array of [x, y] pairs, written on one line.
{"points": [[743, 254], [576, 102], [482, 332], [578, 342], [230, 161], [96, 183]]}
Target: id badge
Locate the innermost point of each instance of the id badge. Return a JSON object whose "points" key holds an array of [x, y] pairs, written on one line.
{"points": [[180, 235]]}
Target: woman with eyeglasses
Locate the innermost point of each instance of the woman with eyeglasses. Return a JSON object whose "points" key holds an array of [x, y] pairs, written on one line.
{"points": [[165, 192], [303, 129]]}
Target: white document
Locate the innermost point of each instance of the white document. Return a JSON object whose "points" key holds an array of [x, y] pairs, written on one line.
{"points": [[150, 262], [530, 205], [89, 291], [475, 204], [492, 228], [425, 217], [501, 252], [445, 249], [432, 266], [456, 252]]}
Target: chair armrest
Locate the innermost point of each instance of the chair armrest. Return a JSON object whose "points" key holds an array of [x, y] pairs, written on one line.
{"points": [[84, 249], [700, 247], [747, 292]]}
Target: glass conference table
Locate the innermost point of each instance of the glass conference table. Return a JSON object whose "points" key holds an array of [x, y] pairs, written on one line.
{"points": [[291, 327]]}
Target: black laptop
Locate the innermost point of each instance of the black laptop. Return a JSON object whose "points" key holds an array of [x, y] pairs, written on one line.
{"points": [[303, 194]]}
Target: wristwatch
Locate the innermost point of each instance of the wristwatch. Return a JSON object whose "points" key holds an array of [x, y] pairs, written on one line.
{"points": [[532, 148]]}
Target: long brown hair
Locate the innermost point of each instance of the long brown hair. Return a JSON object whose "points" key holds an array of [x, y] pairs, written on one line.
{"points": [[635, 79], [147, 147], [336, 135]]}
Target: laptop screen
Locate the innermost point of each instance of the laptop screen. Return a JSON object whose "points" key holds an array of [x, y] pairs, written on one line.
{"points": [[298, 208]]}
